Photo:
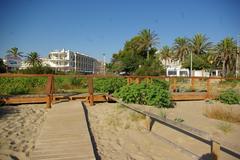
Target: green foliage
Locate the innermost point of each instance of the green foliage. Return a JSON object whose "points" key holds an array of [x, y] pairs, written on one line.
{"points": [[108, 85], [180, 120], [14, 86], [79, 82], [229, 97], [199, 62], [2, 66], [154, 94], [71, 84], [157, 96], [134, 93], [134, 54], [151, 67], [37, 70]]}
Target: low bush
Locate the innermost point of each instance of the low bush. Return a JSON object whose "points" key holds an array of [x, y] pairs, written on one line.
{"points": [[108, 85], [229, 97], [154, 94], [15, 86]]}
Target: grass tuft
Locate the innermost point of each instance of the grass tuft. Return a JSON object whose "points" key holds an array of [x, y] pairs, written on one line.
{"points": [[224, 127], [222, 113]]}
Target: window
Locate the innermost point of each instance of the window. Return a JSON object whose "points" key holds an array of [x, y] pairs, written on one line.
{"points": [[183, 73], [172, 73]]}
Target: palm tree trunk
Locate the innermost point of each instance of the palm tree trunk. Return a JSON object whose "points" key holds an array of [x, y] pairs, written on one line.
{"points": [[223, 68]]}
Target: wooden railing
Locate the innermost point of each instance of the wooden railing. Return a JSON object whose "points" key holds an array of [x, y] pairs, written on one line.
{"points": [[130, 79], [200, 135], [47, 97]]}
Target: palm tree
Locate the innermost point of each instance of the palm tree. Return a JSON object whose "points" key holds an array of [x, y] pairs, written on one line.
{"points": [[181, 48], [33, 59], [165, 54], [199, 44], [226, 54], [148, 39], [14, 52]]}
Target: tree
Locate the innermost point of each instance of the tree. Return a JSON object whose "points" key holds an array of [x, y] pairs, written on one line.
{"points": [[165, 54], [226, 55], [33, 59], [14, 52], [181, 47], [199, 62], [199, 44], [134, 53], [148, 40], [2, 66]]}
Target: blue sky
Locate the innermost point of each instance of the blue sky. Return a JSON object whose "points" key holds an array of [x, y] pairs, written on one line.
{"points": [[102, 26]]}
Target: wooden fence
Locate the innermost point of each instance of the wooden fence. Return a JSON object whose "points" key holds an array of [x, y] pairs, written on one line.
{"points": [[176, 95]]}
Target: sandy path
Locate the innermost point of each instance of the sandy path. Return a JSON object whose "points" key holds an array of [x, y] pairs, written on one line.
{"points": [[120, 135], [19, 127]]}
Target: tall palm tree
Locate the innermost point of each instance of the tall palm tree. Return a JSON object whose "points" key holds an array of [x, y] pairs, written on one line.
{"points": [[33, 59], [165, 54], [181, 48], [14, 52], [199, 44], [148, 39], [226, 54]]}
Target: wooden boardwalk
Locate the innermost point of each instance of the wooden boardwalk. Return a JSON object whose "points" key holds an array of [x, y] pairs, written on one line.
{"points": [[64, 135]]}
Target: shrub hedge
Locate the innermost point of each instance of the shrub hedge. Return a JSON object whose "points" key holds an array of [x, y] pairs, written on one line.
{"points": [[229, 96], [154, 94]]}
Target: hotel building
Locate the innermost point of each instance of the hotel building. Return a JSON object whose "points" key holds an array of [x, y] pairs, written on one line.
{"points": [[66, 60]]}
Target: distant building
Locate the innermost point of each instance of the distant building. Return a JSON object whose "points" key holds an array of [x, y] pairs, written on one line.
{"points": [[66, 60], [174, 68], [13, 63]]}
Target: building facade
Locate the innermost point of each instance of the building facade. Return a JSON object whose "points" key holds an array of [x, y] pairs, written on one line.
{"points": [[13, 63], [66, 60]]}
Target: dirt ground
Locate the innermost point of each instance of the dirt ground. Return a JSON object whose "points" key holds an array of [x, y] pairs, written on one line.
{"points": [[119, 132]]}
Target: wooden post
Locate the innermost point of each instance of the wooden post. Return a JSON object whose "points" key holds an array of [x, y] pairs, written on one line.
{"points": [[137, 80], [49, 91], [215, 150], [208, 88], [148, 123], [128, 80], [90, 90], [174, 84], [192, 84]]}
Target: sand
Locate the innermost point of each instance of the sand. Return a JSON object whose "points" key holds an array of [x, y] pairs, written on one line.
{"points": [[119, 133], [19, 128], [192, 112]]}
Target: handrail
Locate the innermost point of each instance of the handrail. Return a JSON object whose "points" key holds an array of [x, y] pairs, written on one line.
{"points": [[190, 131]]}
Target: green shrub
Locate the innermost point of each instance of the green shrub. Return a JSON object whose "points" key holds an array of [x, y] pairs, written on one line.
{"points": [[229, 97], [79, 82], [157, 96], [154, 94], [108, 85], [134, 93], [14, 86]]}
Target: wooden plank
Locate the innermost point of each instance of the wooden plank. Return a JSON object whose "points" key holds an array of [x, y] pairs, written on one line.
{"points": [[64, 134], [23, 100], [180, 96]]}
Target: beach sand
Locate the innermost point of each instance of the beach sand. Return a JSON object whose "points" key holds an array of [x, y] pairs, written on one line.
{"points": [[119, 133], [19, 128]]}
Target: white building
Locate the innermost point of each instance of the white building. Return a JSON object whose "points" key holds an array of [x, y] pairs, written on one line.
{"points": [[12, 62], [66, 60]]}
